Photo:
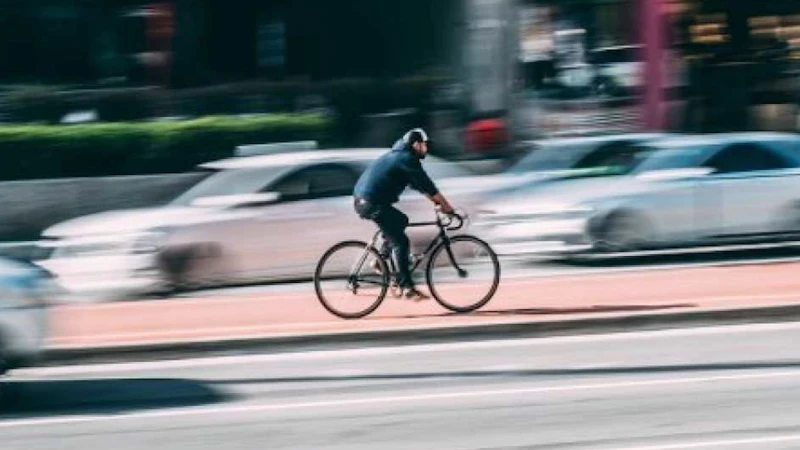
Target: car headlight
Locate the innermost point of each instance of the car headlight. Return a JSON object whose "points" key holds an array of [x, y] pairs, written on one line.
{"points": [[567, 213], [147, 243], [139, 243], [84, 248]]}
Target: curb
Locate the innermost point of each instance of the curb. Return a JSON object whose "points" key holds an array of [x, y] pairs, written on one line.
{"points": [[281, 343]]}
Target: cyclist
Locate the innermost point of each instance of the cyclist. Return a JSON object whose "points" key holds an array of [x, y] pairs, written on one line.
{"points": [[380, 186]]}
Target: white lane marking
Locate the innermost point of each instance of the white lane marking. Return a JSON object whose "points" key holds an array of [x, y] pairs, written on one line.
{"points": [[720, 443], [389, 399], [217, 361], [539, 272]]}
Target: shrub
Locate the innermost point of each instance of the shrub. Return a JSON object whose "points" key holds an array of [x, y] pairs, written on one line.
{"points": [[124, 148]]}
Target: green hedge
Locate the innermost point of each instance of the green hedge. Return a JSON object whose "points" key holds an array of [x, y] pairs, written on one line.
{"points": [[57, 151]]}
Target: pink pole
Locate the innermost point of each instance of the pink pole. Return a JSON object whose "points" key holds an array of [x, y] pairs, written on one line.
{"points": [[651, 25]]}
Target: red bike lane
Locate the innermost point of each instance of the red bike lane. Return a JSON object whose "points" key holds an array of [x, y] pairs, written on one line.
{"points": [[518, 299]]}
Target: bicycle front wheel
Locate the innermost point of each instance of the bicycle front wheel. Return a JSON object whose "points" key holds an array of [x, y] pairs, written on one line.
{"points": [[351, 280], [464, 276]]}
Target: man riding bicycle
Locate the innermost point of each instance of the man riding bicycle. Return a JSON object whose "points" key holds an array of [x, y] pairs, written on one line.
{"points": [[380, 186]]}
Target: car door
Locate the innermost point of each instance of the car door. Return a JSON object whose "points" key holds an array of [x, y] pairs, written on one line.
{"points": [[752, 182], [314, 211]]}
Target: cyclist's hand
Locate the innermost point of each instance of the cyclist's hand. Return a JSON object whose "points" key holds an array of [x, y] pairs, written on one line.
{"points": [[446, 210]]}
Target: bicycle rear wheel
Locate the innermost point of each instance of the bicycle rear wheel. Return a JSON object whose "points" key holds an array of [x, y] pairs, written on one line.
{"points": [[351, 280], [465, 278]]}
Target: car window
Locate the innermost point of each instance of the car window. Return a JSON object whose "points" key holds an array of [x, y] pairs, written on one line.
{"points": [[229, 182], [618, 154], [614, 56], [314, 183], [550, 157], [331, 182], [666, 158], [618, 158], [746, 158]]}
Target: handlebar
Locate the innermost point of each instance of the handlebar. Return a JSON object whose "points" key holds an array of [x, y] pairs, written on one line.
{"points": [[448, 220]]}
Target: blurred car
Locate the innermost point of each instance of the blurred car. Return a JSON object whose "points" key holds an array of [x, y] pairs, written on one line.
{"points": [[617, 70], [684, 191], [25, 291], [548, 160], [257, 218]]}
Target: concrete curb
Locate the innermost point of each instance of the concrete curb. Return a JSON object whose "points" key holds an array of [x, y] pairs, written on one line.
{"points": [[279, 343]]}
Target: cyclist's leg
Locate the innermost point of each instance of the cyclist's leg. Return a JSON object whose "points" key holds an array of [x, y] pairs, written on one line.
{"points": [[393, 224], [369, 211]]}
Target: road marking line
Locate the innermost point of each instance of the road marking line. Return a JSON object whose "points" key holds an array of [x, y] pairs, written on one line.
{"points": [[217, 361], [388, 400], [720, 443]]}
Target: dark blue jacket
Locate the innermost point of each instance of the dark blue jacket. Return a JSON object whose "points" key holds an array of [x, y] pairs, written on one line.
{"points": [[388, 176]]}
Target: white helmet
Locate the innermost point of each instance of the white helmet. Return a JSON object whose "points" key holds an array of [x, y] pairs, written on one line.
{"points": [[415, 135]]}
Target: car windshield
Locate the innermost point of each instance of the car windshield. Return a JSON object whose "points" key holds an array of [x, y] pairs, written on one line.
{"points": [[229, 182], [548, 157], [580, 161], [673, 158]]}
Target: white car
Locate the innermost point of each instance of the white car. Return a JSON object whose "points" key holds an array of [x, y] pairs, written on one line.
{"points": [[617, 70], [258, 218], [685, 191], [25, 292]]}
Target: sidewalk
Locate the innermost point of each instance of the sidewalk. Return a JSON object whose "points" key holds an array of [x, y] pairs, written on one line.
{"points": [[570, 302]]}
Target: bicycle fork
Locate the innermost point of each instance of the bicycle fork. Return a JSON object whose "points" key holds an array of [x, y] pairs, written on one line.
{"points": [[461, 272]]}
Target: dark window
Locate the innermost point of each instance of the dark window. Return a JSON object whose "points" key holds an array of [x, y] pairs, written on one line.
{"points": [[746, 158], [623, 157], [314, 183]]}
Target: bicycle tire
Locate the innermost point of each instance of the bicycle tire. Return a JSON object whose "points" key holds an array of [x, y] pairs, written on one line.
{"points": [[383, 276], [437, 294]]}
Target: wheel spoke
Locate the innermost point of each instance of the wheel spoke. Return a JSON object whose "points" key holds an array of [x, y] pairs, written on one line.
{"points": [[351, 280], [468, 283]]}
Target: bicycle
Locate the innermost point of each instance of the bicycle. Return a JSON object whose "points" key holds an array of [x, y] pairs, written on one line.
{"points": [[357, 270]]}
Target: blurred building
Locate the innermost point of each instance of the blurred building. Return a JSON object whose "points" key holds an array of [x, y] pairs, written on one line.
{"points": [[742, 63], [635, 55], [194, 42], [703, 65]]}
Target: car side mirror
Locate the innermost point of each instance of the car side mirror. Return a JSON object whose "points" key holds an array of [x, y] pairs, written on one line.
{"points": [[238, 200]]}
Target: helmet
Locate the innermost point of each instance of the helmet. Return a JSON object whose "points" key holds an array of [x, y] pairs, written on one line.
{"points": [[415, 135]]}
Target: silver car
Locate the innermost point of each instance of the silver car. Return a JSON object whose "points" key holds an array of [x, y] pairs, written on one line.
{"points": [[549, 160], [679, 191], [258, 218], [25, 291]]}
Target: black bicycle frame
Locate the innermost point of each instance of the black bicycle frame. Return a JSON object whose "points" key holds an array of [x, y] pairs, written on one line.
{"points": [[442, 237]]}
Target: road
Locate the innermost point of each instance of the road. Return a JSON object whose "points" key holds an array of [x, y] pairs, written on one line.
{"points": [[732, 387]]}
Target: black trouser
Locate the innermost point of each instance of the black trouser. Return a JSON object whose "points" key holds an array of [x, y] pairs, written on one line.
{"points": [[392, 223]]}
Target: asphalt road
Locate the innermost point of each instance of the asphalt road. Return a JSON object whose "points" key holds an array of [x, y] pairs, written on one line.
{"points": [[724, 387]]}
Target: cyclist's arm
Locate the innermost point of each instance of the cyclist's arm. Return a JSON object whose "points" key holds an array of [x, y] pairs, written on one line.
{"points": [[423, 183], [440, 200], [419, 179]]}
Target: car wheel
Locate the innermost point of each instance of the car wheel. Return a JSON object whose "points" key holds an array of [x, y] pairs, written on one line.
{"points": [[621, 232], [179, 267], [601, 88]]}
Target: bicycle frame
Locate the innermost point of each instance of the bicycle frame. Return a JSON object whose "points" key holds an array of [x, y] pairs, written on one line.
{"points": [[441, 237]]}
